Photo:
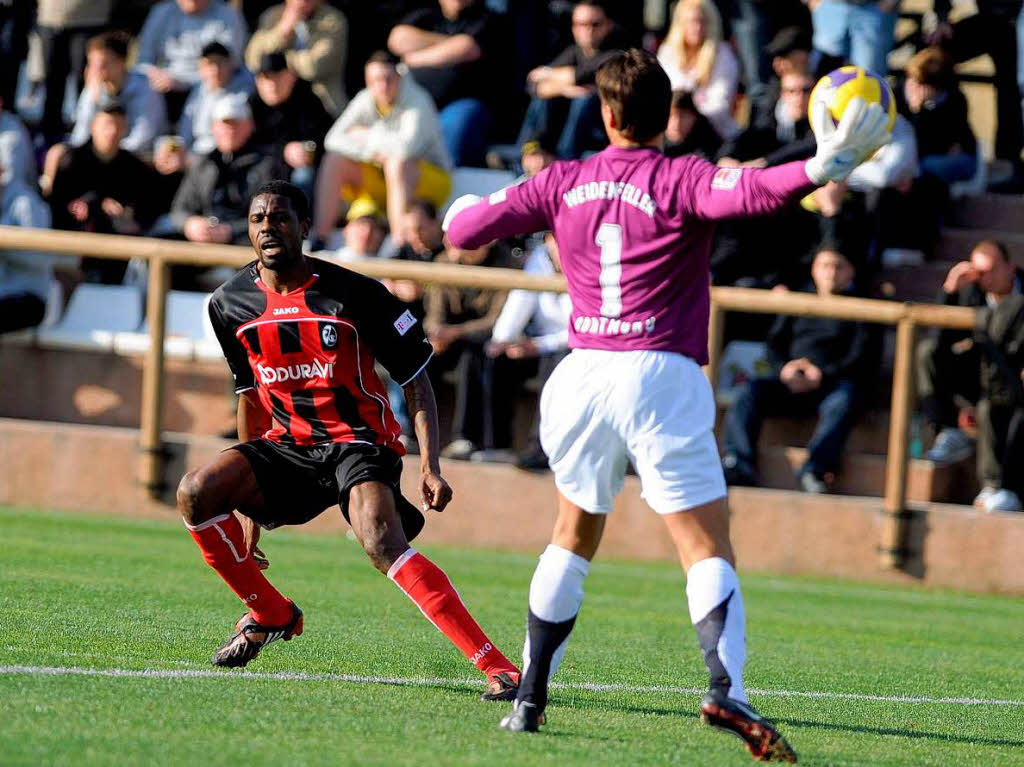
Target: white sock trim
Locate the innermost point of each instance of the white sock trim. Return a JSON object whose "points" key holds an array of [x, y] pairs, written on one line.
{"points": [[568, 558], [207, 524], [400, 562]]}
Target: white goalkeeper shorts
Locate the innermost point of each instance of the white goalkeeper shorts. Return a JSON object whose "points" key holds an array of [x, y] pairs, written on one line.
{"points": [[600, 409]]}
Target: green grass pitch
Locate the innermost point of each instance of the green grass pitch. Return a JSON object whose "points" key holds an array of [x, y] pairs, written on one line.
{"points": [[90, 592]]}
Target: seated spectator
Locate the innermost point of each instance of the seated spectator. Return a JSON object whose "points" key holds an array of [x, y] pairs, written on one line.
{"points": [[823, 364], [17, 159], [782, 135], [565, 108], [530, 337], [62, 29], [290, 118], [102, 187], [699, 61], [169, 162], [857, 31], [172, 39], [424, 243], [535, 156], [450, 51], [1000, 413], [458, 322], [24, 275], [387, 146], [948, 361], [213, 201], [937, 109], [789, 50], [688, 131], [364, 232], [219, 75], [314, 39], [993, 31], [107, 78]]}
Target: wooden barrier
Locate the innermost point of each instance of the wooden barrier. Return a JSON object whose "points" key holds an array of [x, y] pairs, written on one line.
{"points": [[161, 254]]}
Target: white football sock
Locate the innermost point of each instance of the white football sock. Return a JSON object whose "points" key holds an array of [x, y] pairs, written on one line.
{"points": [[712, 586], [556, 593]]}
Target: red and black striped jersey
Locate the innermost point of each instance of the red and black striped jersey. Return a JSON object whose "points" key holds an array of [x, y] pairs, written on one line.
{"points": [[310, 354]]}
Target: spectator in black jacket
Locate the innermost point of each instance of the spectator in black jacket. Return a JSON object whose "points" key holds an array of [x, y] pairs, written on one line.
{"points": [[688, 131], [823, 364], [948, 361], [290, 118], [213, 201], [937, 109], [100, 187]]}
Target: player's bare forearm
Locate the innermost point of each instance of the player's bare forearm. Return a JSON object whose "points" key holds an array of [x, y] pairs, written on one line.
{"points": [[419, 399], [253, 418]]}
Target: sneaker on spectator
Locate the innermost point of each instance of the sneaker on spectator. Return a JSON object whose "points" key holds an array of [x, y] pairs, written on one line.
{"points": [[810, 482], [1002, 500], [951, 445], [981, 498], [458, 450], [493, 455]]}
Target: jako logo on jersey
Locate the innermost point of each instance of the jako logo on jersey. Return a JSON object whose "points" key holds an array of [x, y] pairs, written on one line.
{"points": [[318, 369], [286, 310], [330, 336], [479, 654]]}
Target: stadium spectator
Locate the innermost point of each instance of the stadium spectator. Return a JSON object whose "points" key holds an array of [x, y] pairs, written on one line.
{"points": [[781, 135], [789, 50], [424, 243], [290, 118], [213, 199], [688, 131], [25, 276], [452, 51], [219, 75], [937, 109], [991, 30], [698, 60], [751, 25], [16, 19], [823, 364], [365, 230], [63, 27], [948, 361], [565, 108], [172, 39], [314, 39], [17, 160], [859, 31], [387, 146], [102, 187], [458, 322], [169, 160], [1000, 412], [530, 337], [107, 78]]}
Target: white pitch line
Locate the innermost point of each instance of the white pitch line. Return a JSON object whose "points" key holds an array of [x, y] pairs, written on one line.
{"points": [[297, 676]]}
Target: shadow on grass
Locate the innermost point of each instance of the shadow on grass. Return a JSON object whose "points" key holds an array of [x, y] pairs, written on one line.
{"points": [[596, 703]]}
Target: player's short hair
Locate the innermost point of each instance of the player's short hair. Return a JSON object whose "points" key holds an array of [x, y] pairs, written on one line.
{"points": [[383, 57], [601, 5], [682, 101], [932, 66], [636, 88], [112, 42], [298, 199], [995, 245]]}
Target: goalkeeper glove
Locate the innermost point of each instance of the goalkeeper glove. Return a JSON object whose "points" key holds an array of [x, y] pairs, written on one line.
{"points": [[863, 129]]}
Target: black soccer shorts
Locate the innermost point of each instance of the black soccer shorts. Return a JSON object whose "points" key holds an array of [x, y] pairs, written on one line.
{"points": [[299, 483]]}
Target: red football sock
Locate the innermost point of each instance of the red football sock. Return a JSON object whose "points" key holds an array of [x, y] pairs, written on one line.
{"points": [[427, 585], [223, 545]]}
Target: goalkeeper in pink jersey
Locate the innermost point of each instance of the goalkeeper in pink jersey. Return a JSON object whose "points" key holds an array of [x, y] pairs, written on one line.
{"points": [[634, 229]]}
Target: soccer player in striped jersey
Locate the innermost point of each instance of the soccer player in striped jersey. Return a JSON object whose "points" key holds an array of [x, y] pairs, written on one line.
{"points": [[634, 232], [301, 337]]}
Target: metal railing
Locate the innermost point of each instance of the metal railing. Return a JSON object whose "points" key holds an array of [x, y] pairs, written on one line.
{"points": [[160, 254]]}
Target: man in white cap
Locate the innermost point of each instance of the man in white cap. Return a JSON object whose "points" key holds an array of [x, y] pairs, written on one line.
{"points": [[213, 199]]}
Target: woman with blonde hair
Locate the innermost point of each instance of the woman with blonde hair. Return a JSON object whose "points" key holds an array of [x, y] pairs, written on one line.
{"points": [[699, 61]]}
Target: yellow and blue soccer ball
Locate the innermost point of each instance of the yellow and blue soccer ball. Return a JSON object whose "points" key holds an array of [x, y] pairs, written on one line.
{"points": [[840, 86]]}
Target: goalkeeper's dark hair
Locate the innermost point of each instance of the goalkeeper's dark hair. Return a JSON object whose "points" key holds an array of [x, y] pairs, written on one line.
{"points": [[298, 199], [636, 88]]}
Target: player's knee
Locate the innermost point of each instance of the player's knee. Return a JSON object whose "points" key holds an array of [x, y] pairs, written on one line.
{"points": [[191, 496]]}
